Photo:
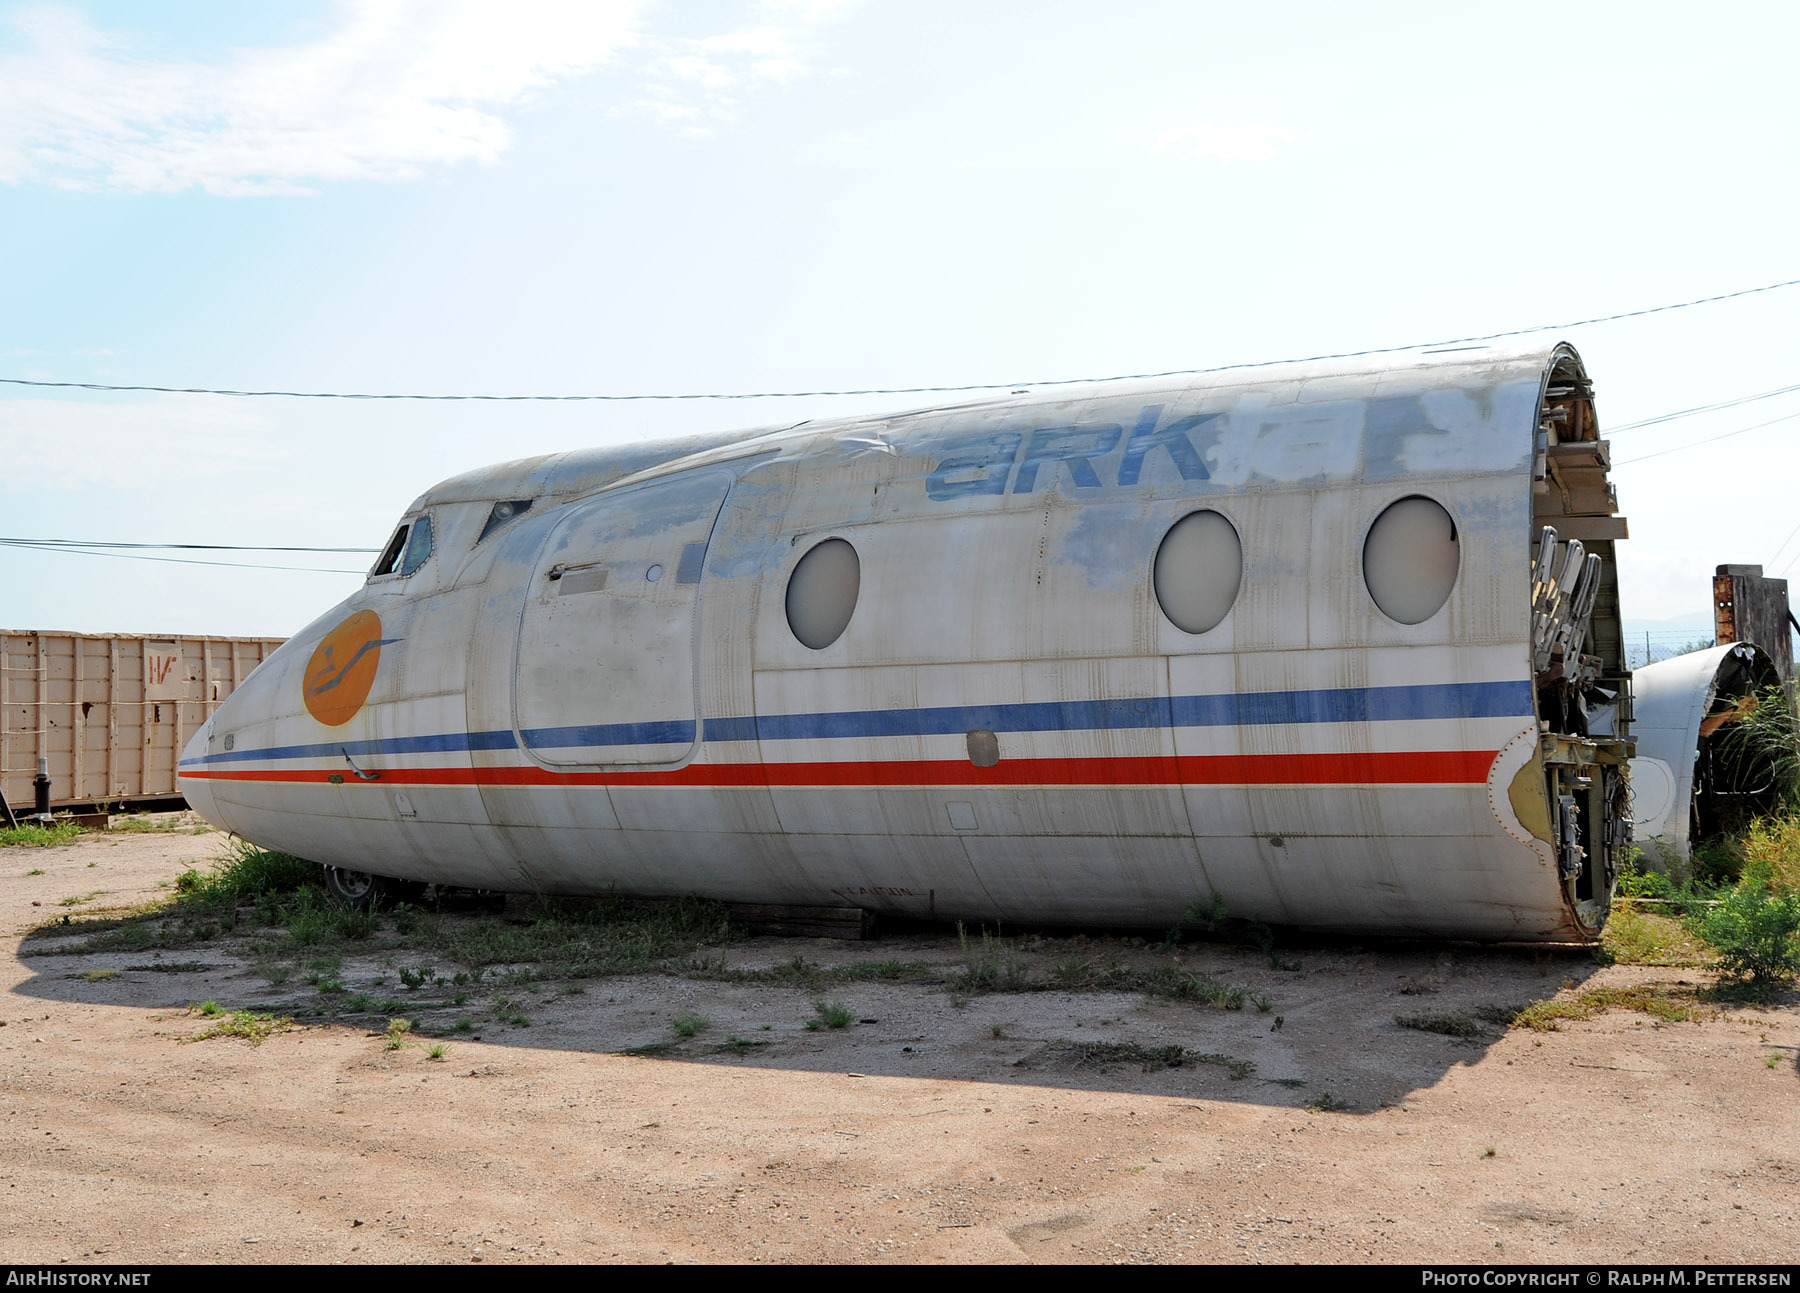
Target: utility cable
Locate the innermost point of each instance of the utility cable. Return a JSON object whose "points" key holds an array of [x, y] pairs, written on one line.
{"points": [[915, 390], [186, 561], [1703, 408], [203, 547], [1695, 444], [1784, 543]]}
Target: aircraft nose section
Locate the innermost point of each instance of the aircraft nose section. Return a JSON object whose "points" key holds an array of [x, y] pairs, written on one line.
{"points": [[195, 786]]}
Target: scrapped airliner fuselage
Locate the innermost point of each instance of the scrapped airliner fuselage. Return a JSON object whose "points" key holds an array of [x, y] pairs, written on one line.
{"points": [[1335, 643]]}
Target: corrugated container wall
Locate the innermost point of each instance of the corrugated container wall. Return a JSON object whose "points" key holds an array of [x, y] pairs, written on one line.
{"points": [[109, 711]]}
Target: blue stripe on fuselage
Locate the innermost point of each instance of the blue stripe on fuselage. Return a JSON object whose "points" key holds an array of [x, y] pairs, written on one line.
{"points": [[1239, 709]]}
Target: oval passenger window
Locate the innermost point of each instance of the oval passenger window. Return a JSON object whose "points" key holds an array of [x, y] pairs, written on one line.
{"points": [[1410, 559], [1198, 571], [821, 593]]}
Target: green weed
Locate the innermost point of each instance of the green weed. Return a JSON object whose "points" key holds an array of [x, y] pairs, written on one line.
{"points": [[144, 825], [833, 1014], [648, 1051], [1454, 1024], [245, 875], [1752, 932], [1151, 1058], [993, 965], [690, 1025], [1636, 935], [32, 835], [254, 1026], [739, 1045], [1658, 1002], [397, 1029]]}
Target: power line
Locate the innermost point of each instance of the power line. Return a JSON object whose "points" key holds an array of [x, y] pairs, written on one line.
{"points": [[1703, 408], [910, 390], [183, 561], [1695, 444], [203, 547], [1784, 543]]}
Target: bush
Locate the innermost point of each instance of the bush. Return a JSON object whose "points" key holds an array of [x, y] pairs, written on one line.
{"points": [[248, 874], [1753, 931], [1773, 844]]}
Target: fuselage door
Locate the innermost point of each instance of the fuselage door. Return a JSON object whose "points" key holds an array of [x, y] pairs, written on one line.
{"points": [[606, 661]]}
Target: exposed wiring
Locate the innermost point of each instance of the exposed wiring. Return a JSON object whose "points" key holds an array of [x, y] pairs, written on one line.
{"points": [[915, 390]]}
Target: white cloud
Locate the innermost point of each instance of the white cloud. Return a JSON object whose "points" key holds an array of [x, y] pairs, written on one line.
{"points": [[395, 87], [182, 442], [696, 84], [1219, 141]]}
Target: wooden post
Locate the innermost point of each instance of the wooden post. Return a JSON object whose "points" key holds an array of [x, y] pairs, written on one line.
{"points": [[1749, 608]]}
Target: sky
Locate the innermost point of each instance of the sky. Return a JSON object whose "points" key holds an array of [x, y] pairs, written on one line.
{"points": [[801, 194]]}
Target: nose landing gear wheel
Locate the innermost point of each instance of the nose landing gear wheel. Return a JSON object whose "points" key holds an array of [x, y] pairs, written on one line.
{"points": [[360, 891], [357, 890]]}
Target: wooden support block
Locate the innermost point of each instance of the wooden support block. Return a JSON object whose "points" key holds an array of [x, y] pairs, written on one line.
{"points": [[801, 922]]}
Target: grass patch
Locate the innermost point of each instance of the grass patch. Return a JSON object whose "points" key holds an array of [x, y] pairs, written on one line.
{"points": [[740, 1045], [1449, 1023], [570, 940], [1328, 1103], [1640, 935], [831, 1014], [1772, 845], [99, 976], [1151, 1058], [1166, 983], [1654, 1000], [135, 825], [254, 1026], [32, 835], [798, 972], [650, 1050], [992, 965], [246, 874], [690, 1025]]}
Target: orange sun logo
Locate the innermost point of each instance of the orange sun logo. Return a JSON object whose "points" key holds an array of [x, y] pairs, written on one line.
{"points": [[342, 669]]}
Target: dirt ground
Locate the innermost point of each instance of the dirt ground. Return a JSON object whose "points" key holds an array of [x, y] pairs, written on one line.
{"points": [[925, 1131]]}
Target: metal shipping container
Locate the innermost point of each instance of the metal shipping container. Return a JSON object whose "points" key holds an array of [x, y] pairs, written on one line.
{"points": [[109, 711]]}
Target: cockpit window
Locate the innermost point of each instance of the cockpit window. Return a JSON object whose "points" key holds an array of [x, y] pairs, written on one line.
{"points": [[502, 513], [418, 548], [390, 555]]}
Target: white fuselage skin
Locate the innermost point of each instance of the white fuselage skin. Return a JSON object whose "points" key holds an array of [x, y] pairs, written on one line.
{"points": [[1009, 727]]}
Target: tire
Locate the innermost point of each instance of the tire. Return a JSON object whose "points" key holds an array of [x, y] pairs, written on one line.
{"points": [[357, 890]]}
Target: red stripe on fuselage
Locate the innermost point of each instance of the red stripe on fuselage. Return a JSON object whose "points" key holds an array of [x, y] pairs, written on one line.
{"points": [[1404, 768]]}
